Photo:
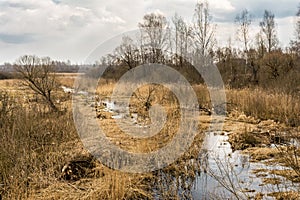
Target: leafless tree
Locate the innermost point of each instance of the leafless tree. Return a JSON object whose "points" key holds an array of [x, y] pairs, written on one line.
{"points": [[127, 52], [204, 29], [254, 65], [244, 20], [183, 33], [154, 37], [277, 64], [260, 44], [268, 28], [38, 74]]}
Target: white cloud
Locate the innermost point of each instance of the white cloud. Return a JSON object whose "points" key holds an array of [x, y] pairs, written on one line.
{"points": [[70, 29], [286, 30], [59, 30], [221, 5], [40, 18]]}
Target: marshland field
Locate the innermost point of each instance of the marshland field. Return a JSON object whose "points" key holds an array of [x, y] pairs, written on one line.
{"points": [[245, 141]]}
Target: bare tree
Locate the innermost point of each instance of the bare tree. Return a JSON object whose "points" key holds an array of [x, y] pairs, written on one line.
{"points": [[182, 35], [254, 65], [38, 74], [127, 52], [260, 44], [277, 64], [154, 37], [268, 28], [204, 30], [244, 20]]}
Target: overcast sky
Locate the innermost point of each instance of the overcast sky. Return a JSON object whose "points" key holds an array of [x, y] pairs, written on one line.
{"points": [[71, 29]]}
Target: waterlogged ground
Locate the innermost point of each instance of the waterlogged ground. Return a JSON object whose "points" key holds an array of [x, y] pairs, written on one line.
{"points": [[242, 160], [232, 166]]}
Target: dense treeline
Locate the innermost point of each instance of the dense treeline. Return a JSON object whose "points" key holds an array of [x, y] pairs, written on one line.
{"points": [[260, 61]]}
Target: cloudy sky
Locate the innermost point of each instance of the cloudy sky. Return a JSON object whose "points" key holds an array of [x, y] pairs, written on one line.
{"points": [[71, 29]]}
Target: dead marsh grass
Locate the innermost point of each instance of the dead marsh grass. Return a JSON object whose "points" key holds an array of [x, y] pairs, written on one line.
{"points": [[293, 195], [37, 144], [264, 105], [259, 154], [139, 104]]}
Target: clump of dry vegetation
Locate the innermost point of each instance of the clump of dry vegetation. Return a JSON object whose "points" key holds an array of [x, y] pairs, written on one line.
{"points": [[260, 154], [263, 104]]}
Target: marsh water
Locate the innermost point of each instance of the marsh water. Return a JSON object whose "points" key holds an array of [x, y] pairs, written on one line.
{"points": [[224, 174], [233, 172]]}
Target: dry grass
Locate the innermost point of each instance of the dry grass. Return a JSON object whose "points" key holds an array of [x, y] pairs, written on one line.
{"points": [[8, 83], [293, 195], [289, 174], [138, 105], [26, 140], [36, 144], [67, 79], [105, 88], [113, 185], [273, 181], [259, 154], [264, 105]]}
